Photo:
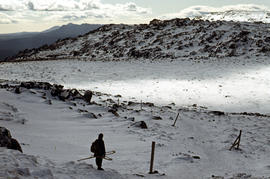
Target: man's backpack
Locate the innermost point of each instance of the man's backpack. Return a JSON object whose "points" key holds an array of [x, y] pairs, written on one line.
{"points": [[94, 147]]}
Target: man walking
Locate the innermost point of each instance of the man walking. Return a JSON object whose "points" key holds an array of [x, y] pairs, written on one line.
{"points": [[98, 148]]}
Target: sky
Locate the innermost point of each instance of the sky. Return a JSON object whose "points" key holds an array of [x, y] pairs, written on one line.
{"points": [[39, 15]]}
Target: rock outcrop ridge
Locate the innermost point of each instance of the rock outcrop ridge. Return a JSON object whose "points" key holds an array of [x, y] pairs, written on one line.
{"points": [[169, 39]]}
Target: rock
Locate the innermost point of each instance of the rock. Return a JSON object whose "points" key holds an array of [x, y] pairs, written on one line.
{"points": [[110, 100], [131, 118], [114, 112], [17, 90], [27, 85], [156, 118], [149, 104], [65, 94], [267, 39], [74, 93], [131, 103], [140, 124], [265, 49], [7, 141], [196, 157], [115, 106], [48, 102], [88, 96], [91, 115], [82, 111], [56, 90], [218, 113], [217, 177], [155, 22]]}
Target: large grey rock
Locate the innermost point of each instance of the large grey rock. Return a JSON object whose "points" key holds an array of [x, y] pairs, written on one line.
{"points": [[7, 141], [88, 96]]}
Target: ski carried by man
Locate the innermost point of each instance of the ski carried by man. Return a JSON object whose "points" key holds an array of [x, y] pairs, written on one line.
{"points": [[92, 156]]}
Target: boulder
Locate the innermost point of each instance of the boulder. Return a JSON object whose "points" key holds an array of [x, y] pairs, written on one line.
{"points": [[17, 90], [140, 124], [7, 141], [64, 94], [56, 90], [88, 96]]}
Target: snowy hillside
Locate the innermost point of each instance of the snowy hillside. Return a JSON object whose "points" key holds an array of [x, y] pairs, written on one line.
{"points": [[14, 164], [169, 39], [59, 132]]}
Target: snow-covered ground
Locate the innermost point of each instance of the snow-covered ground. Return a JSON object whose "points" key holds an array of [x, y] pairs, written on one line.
{"points": [[62, 132], [233, 85], [17, 165]]}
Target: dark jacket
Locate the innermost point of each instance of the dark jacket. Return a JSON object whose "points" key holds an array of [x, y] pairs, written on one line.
{"points": [[100, 148]]}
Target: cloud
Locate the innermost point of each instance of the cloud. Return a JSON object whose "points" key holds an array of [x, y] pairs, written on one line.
{"points": [[30, 6], [9, 5], [69, 10], [5, 19], [66, 5], [207, 11]]}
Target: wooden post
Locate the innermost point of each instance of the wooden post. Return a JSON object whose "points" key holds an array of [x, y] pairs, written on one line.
{"points": [[152, 157], [239, 138], [237, 141], [175, 120], [141, 104]]}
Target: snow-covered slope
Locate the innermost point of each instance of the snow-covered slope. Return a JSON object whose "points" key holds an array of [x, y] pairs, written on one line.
{"points": [[14, 164], [232, 85], [169, 39], [62, 131]]}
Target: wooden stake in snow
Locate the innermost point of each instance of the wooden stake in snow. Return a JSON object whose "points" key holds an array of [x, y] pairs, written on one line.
{"points": [[237, 141], [175, 120], [152, 157]]}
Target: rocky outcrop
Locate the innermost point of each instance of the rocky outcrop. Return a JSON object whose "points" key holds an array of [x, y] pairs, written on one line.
{"points": [[55, 90], [169, 39], [7, 141]]}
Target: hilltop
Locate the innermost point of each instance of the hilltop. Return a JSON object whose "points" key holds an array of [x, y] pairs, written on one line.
{"points": [[168, 39]]}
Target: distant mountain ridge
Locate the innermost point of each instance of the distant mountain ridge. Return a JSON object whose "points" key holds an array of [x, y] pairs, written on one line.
{"points": [[11, 44], [169, 39], [239, 15]]}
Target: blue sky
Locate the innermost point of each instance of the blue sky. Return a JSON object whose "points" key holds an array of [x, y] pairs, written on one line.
{"points": [[38, 15]]}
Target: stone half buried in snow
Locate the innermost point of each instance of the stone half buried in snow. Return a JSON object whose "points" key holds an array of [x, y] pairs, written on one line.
{"points": [[156, 118], [140, 124], [7, 141]]}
